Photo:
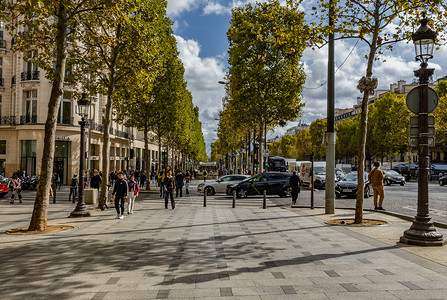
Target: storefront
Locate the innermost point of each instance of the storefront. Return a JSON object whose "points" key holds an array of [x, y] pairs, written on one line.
{"points": [[28, 157], [61, 154]]}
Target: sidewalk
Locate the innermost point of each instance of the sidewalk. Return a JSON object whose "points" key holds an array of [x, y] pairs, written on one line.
{"points": [[216, 252]]}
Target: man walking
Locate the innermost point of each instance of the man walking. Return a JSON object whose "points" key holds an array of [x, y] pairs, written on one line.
{"points": [[120, 195], [73, 187], [376, 178], [179, 183], [169, 189], [161, 180], [294, 184], [95, 181]]}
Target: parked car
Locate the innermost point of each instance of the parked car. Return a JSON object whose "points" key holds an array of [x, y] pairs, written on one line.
{"points": [[408, 173], [3, 186], [348, 185], [443, 179], [212, 187], [392, 176], [274, 183]]}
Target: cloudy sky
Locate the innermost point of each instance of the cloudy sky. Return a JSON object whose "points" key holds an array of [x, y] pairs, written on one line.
{"points": [[200, 28]]}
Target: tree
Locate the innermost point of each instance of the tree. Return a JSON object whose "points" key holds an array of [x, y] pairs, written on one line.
{"points": [[441, 116], [42, 31], [347, 138], [380, 25], [115, 41], [265, 75], [303, 144], [316, 130], [389, 130]]}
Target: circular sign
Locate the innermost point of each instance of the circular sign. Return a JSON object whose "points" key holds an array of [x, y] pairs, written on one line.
{"points": [[413, 99]]}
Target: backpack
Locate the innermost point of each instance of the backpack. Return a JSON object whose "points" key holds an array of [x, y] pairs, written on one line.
{"points": [[74, 182]]}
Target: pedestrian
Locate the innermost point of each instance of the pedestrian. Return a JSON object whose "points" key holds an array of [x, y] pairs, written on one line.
{"points": [[120, 195], [16, 188], [73, 187], [294, 184], [161, 179], [205, 173], [95, 181], [376, 178], [179, 181], [133, 191], [169, 189], [187, 179], [143, 178]]}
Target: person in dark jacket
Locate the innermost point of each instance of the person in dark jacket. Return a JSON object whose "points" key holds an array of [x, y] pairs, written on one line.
{"points": [[294, 184], [169, 189], [95, 181], [179, 178], [120, 195]]}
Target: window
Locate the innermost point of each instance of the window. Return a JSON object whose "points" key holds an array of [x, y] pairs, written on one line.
{"points": [[64, 116], [2, 147], [30, 105], [276, 177], [28, 157], [29, 66]]}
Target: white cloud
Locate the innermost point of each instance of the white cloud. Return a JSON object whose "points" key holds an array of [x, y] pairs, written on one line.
{"points": [[202, 76], [176, 7], [215, 8]]}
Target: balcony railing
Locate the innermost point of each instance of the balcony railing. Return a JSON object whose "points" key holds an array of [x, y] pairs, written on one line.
{"points": [[118, 133], [8, 120], [2, 82], [97, 127], [27, 76], [28, 119], [2, 44], [65, 121]]}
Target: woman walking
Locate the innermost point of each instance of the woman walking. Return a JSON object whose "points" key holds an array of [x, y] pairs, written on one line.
{"points": [[133, 191]]}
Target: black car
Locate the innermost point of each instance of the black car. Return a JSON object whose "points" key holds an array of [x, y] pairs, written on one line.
{"points": [[348, 186], [274, 183], [443, 179], [392, 176]]}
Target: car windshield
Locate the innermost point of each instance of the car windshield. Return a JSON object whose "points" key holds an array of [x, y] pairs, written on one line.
{"points": [[277, 163], [350, 177], [391, 172], [319, 170]]}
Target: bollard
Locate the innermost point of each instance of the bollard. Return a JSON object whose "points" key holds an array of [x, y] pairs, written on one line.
{"points": [[264, 202], [234, 198], [204, 199]]}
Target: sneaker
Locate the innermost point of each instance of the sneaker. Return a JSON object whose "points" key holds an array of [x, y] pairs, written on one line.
{"points": [[12, 201], [128, 212], [131, 212], [117, 216], [121, 217], [380, 208], [376, 208]]}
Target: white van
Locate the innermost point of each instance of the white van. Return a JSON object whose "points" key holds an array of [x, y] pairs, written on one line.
{"points": [[319, 174]]}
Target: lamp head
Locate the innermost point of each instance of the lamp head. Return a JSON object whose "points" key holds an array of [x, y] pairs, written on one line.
{"points": [[83, 107], [424, 41]]}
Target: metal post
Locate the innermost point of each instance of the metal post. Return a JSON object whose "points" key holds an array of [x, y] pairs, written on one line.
{"points": [[234, 198], [264, 200], [204, 198], [422, 232], [330, 133], [80, 209], [312, 181]]}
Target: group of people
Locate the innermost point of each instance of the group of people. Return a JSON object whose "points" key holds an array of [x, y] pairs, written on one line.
{"points": [[170, 183]]}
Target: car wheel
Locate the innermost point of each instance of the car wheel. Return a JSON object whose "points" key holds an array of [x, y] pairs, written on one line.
{"points": [[367, 192], [441, 183], [209, 191], [402, 183]]}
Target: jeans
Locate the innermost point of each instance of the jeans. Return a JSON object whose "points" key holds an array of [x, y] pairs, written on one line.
{"points": [[131, 204], [179, 189], [161, 189], [119, 203], [74, 192], [294, 195], [169, 193]]}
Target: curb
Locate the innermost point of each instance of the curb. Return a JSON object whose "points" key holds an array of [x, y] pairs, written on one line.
{"points": [[393, 214]]}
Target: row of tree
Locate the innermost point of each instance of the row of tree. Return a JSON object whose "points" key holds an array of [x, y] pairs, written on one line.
{"points": [[388, 133], [266, 75], [119, 48]]}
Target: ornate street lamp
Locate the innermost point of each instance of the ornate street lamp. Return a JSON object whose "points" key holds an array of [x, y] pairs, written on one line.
{"points": [[422, 232], [82, 109]]}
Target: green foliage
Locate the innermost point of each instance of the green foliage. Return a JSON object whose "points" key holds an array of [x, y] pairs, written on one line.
{"points": [[303, 144], [440, 115], [316, 130], [347, 138]]}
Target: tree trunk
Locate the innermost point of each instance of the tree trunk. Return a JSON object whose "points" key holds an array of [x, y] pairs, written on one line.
{"points": [[260, 154], [39, 217], [363, 131], [146, 157], [159, 153]]}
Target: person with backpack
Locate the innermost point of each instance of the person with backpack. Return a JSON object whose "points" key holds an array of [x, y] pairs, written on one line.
{"points": [[169, 189], [16, 188], [73, 187], [120, 195], [294, 184], [133, 191]]}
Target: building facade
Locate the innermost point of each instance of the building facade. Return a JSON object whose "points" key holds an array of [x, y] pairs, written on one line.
{"points": [[24, 97]]}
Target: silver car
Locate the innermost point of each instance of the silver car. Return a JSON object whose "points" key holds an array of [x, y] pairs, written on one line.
{"points": [[220, 185]]}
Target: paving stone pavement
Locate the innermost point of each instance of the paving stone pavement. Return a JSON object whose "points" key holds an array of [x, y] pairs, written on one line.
{"points": [[214, 252]]}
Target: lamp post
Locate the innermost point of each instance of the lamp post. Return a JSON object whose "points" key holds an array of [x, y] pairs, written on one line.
{"points": [[422, 232], [82, 109]]}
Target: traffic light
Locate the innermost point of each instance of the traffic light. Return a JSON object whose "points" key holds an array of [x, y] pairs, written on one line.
{"points": [[126, 158]]}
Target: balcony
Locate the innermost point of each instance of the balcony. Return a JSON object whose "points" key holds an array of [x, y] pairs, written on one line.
{"points": [[27, 76], [65, 121], [28, 119], [8, 120], [3, 44], [97, 127]]}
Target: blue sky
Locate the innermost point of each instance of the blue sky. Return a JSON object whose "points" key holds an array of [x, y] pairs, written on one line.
{"points": [[200, 28]]}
